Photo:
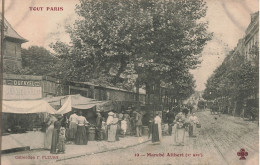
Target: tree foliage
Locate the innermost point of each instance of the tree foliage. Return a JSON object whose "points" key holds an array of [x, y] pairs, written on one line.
{"points": [[159, 41]]}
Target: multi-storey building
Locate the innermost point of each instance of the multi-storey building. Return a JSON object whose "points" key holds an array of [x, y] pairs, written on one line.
{"points": [[252, 34]]}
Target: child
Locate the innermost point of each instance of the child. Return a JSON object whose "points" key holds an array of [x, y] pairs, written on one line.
{"points": [[124, 126], [62, 138]]}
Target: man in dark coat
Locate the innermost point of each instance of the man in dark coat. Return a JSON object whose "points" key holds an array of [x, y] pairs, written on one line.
{"points": [[170, 118]]}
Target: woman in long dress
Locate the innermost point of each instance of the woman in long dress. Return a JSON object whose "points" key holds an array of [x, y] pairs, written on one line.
{"points": [[111, 128], [193, 122], [72, 126], [124, 126], [55, 135], [49, 131], [116, 126], [81, 134], [179, 129], [156, 129], [128, 122]]}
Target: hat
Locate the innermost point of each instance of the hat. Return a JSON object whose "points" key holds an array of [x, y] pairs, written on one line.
{"points": [[111, 113]]}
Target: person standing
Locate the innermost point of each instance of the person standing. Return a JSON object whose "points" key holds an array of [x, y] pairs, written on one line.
{"points": [[99, 126], [111, 132], [116, 126], [193, 119], [55, 135], [61, 142], [138, 124], [170, 118], [179, 129], [127, 118], [81, 134], [155, 128], [124, 126], [120, 118], [72, 126], [49, 131], [133, 121]]}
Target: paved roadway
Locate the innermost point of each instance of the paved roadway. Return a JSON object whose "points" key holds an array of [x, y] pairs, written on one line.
{"points": [[218, 142]]}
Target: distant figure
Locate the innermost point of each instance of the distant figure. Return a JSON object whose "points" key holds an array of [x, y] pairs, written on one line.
{"points": [[62, 138], [179, 129], [116, 126], [55, 135], [49, 131], [138, 124], [155, 129], [99, 126], [124, 126], [128, 128], [170, 118], [193, 119], [111, 128], [81, 134], [104, 129], [72, 126]]}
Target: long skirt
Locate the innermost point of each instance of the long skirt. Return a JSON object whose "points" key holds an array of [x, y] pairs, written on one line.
{"points": [[155, 133], [54, 141], [81, 136], [61, 144], [72, 130], [128, 127], [48, 137], [111, 137], [179, 136]]}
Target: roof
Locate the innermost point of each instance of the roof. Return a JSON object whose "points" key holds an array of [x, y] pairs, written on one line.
{"points": [[11, 33], [141, 91]]}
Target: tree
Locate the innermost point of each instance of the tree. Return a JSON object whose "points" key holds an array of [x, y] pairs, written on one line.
{"points": [[38, 61], [160, 41]]}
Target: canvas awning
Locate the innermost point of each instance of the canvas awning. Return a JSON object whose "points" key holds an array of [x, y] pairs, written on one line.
{"points": [[27, 106], [72, 101]]}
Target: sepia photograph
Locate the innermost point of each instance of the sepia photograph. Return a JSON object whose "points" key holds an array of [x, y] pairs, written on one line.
{"points": [[129, 82]]}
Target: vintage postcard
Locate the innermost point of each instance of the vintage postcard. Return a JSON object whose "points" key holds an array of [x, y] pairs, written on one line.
{"points": [[133, 82]]}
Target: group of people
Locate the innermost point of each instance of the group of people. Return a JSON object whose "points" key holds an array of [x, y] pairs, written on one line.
{"points": [[75, 129], [180, 122], [56, 132], [123, 124]]}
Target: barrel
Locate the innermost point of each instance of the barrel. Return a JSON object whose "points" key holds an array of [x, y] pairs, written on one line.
{"points": [[91, 134], [145, 130]]}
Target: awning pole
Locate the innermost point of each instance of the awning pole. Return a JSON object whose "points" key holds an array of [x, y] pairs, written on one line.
{"points": [[1, 70]]}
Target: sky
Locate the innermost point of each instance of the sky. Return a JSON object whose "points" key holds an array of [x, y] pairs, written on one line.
{"points": [[228, 20]]}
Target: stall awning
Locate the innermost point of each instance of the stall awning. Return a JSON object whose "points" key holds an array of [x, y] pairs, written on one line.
{"points": [[27, 106], [73, 101]]}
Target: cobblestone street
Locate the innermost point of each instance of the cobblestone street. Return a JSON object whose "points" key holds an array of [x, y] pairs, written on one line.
{"points": [[218, 143]]}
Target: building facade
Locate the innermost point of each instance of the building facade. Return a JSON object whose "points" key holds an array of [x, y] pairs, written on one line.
{"points": [[12, 48], [252, 35]]}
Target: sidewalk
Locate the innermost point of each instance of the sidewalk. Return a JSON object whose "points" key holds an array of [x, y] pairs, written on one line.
{"points": [[72, 151]]}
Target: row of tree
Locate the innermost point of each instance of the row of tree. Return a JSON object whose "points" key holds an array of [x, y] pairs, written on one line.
{"points": [[143, 43], [235, 83]]}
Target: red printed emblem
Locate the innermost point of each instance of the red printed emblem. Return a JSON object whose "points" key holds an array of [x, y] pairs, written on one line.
{"points": [[242, 153]]}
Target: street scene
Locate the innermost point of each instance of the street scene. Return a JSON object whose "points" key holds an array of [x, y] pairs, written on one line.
{"points": [[130, 82]]}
